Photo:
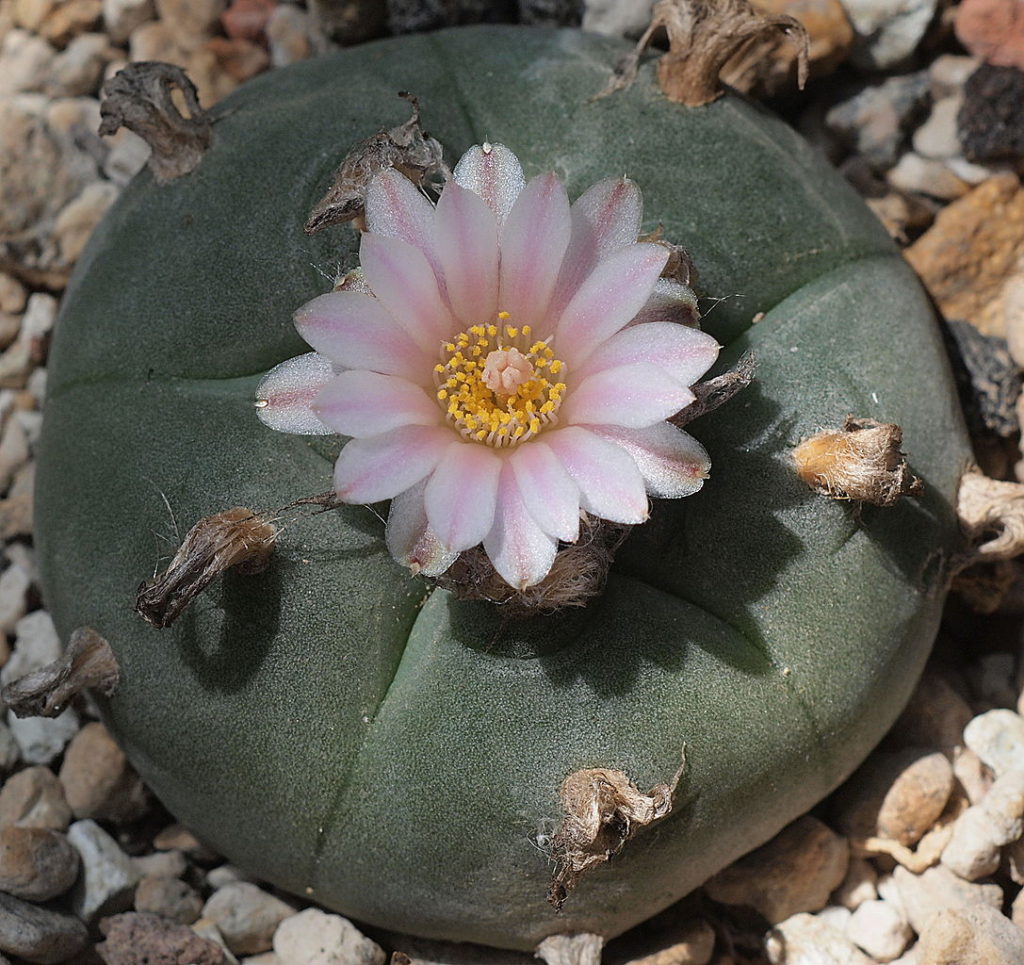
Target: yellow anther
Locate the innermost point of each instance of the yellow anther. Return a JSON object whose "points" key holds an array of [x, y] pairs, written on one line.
{"points": [[503, 315], [556, 366], [511, 331], [492, 330], [442, 394], [449, 347], [526, 331], [535, 426]]}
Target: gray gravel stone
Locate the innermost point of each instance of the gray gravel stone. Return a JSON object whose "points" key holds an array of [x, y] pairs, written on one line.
{"points": [[107, 883], [39, 934]]}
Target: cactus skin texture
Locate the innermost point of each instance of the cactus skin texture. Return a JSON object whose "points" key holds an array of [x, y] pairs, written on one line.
{"points": [[349, 733]]}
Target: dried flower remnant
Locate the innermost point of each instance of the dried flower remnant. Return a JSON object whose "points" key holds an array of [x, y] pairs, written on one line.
{"points": [[87, 663], [234, 538], [139, 97], [861, 462], [603, 810], [406, 148], [511, 368]]}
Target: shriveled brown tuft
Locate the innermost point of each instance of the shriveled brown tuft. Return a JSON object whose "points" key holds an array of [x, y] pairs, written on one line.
{"points": [[406, 148], [236, 537], [717, 391], [603, 810], [702, 37], [88, 662], [862, 462], [577, 575], [139, 97]]}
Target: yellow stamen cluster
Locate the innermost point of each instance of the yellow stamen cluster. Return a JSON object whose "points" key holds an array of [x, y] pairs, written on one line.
{"points": [[487, 416]]}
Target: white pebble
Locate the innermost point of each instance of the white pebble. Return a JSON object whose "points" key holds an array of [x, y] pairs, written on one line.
{"points": [[997, 737], [879, 929]]}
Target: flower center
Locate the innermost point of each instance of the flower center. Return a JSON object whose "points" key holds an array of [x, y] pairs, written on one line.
{"points": [[497, 384]]}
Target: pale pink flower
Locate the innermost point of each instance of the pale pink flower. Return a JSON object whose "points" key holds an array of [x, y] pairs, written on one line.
{"points": [[510, 364]]}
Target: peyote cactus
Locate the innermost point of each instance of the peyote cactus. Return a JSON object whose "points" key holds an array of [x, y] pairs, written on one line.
{"points": [[359, 736]]}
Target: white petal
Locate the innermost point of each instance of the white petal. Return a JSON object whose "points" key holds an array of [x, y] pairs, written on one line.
{"points": [[357, 332], [403, 280], [369, 470], [533, 243], [494, 174], [284, 396], [409, 538], [462, 493], [605, 217], [684, 353], [396, 208], [670, 301], [466, 245], [364, 404], [550, 495], [671, 461], [611, 486], [634, 395], [520, 550], [611, 295]]}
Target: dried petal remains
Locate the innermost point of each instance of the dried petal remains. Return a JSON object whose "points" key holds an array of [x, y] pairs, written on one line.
{"points": [[507, 363]]}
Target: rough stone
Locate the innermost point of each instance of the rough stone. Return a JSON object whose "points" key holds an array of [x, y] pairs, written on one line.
{"points": [[143, 939], [858, 886], [880, 930], [36, 864], [937, 137], [78, 219], [12, 294], [121, 17], [205, 928], [16, 510], [69, 18], [313, 937], [972, 249], [997, 737], [34, 798], [1017, 909], [684, 943], [225, 874], [992, 30], [288, 32], [973, 935], [920, 896], [162, 864], [98, 780], [895, 795], [168, 897], [41, 739], [796, 871], [154, 41], [980, 832], [175, 837], [947, 74], [190, 22], [246, 916], [990, 122], [107, 883], [920, 175], [39, 934], [78, 70], [974, 777], [25, 62], [874, 122], [14, 453], [128, 154], [804, 940], [888, 31], [9, 751], [14, 581], [238, 59]]}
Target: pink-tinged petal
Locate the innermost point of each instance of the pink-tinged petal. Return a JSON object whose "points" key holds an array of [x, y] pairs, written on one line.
{"points": [[533, 243], [409, 538], [461, 495], [671, 461], [672, 302], [363, 404], [611, 295], [404, 282], [633, 396], [494, 173], [396, 208], [354, 281], [548, 491], [466, 247], [605, 217], [684, 353], [285, 395], [357, 332], [611, 486], [520, 550], [369, 470]]}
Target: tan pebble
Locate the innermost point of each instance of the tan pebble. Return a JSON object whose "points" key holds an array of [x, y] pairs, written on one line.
{"points": [[121, 17], [948, 72], [880, 930], [98, 780], [858, 886], [895, 795], [804, 940], [191, 22], [980, 832], [154, 41], [175, 837], [973, 935], [796, 871], [691, 943], [12, 294], [168, 897], [246, 916], [972, 248], [1017, 909], [34, 798], [164, 864], [70, 18], [920, 896], [36, 864], [920, 175], [25, 62], [997, 737], [1013, 314], [974, 777]]}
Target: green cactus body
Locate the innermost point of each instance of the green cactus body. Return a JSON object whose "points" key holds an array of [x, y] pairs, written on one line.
{"points": [[354, 735]]}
